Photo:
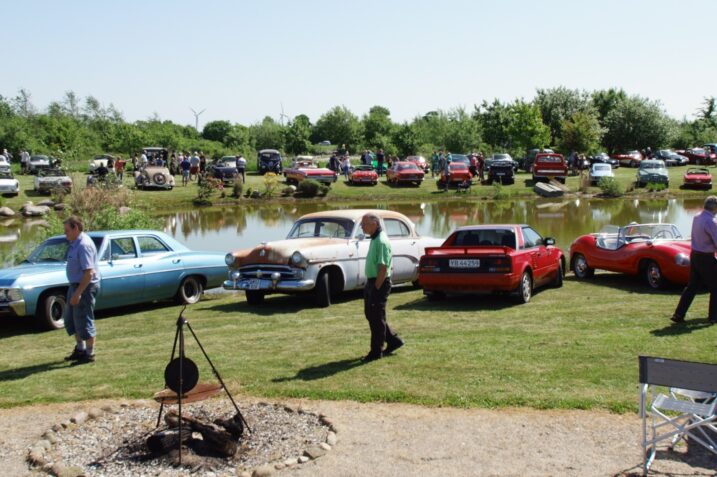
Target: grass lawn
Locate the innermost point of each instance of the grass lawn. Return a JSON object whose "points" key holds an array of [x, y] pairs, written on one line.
{"points": [[574, 347], [181, 197]]}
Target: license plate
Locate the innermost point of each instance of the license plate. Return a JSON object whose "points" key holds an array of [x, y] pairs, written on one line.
{"points": [[500, 173], [463, 263], [253, 284]]}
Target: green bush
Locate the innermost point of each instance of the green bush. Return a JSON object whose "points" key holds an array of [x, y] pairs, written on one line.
{"points": [[498, 192], [308, 188], [238, 187], [610, 187], [655, 186]]}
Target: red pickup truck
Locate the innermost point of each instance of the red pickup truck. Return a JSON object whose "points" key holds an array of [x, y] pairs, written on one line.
{"points": [[491, 258], [550, 166]]}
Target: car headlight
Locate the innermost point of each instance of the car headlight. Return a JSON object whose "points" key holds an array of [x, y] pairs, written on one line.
{"points": [[235, 275], [682, 260], [10, 294], [298, 260], [229, 259]]}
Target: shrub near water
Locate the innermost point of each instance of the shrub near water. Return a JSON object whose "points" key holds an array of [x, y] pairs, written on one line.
{"points": [[610, 187], [308, 188]]}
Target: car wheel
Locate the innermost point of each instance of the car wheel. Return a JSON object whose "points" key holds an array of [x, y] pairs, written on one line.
{"points": [[51, 315], [525, 289], [653, 275], [559, 277], [322, 291], [254, 297], [190, 291], [581, 268]]}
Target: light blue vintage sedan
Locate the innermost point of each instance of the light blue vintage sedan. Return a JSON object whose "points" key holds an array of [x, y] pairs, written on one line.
{"points": [[136, 266]]}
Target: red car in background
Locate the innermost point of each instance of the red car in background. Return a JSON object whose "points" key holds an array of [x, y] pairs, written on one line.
{"points": [[491, 258], [658, 252], [629, 159], [404, 172], [697, 178], [458, 175], [700, 156], [550, 166], [304, 169], [420, 161], [363, 175]]}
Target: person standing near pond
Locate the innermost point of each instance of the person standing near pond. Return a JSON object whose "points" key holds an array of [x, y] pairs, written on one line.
{"points": [[378, 286], [83, 274], [380, 156], [703, 265], [241, 167]]}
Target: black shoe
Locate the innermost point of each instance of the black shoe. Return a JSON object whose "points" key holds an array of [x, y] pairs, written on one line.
{"points": [[75, 355], [371, 357], [85, 358], [393, 346], [677, 319]]}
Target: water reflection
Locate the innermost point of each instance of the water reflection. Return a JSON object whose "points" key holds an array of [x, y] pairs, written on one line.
{"points": [[228, 228]]}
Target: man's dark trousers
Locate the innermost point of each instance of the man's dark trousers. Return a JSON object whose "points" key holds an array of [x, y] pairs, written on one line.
{"points": [[703, 275], [374, 302]]}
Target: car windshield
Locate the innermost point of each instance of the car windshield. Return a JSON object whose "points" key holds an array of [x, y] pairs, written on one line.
{"points": [[38, 158], [698, 151], [602, 167], [364, 168], [498, 157], [459, 158], [270, 156], [549, 159], [55, 250], [652, 165], [633, 232], [484, 237], [406, 167], [457, 166], [52, 173], [322, 227]]}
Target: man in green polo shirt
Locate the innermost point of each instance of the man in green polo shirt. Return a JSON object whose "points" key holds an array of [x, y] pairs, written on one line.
{"points": [[377, 289]]}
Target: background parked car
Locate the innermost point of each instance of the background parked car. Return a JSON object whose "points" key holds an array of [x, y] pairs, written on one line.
{"points": [[48, 180], [550, 166], [603, 158], [652, 171], [697, 178], [9, 186], [501, 170], [269, 160], [458, 175], [38, 163], [671, 158], [700, 156], [529, 159], [598, 171], [420, 161], [224, 169], [363, 174], [629, 159], [404, 172], [97, 161], [153, 177]]}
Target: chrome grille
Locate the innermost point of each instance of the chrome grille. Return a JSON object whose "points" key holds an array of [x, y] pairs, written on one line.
{"points": [[287, 273]]}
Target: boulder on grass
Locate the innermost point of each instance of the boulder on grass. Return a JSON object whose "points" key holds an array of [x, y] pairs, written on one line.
{"points": [[6, 212], [36, 211]]}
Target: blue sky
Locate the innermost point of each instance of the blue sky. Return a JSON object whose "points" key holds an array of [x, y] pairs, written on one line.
{"points": [[241, 60]]}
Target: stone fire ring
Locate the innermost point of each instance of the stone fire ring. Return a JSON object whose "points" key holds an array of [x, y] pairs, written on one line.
{"points": [[43, 454]]}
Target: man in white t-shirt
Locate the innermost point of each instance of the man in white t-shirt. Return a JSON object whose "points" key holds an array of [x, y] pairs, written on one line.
{"points": [[241, 167], [194, 166]]}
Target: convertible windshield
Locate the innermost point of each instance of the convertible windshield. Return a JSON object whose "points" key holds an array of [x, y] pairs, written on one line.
{"points": [[406, 167], [649, 231], [322, 227]]}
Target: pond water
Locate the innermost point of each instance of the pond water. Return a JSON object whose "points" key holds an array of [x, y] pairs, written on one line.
{"points": [[229, 228]]}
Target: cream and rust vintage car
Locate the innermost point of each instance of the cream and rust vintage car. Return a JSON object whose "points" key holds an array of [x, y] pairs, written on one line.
{"points": [[324, 254]]}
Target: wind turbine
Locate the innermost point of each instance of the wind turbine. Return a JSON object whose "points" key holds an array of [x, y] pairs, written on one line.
{"points": [[196, 117], [282, 115]]}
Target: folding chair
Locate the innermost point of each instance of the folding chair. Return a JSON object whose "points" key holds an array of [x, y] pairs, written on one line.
{"points": [[687, 411]]}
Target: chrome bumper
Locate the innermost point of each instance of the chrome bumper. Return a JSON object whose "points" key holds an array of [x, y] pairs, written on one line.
{"points": [[16, 308], [269, 285]]}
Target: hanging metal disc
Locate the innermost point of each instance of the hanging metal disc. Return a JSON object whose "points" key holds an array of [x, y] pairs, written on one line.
{"points": [[190, 375]]}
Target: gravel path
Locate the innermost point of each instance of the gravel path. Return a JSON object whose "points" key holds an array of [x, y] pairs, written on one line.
{"points": [[406, 440]]}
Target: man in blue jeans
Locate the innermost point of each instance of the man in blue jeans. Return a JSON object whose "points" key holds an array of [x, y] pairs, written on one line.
{"points": [[83, 275]]}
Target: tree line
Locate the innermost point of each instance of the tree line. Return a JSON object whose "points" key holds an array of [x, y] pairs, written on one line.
{"points": [[76, 128]]}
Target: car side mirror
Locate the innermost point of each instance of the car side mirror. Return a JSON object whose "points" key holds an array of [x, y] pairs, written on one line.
{"points": [[549, 241], [361, 236]]}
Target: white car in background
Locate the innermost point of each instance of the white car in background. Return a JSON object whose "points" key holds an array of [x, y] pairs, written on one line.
{"points": [[4, 163], [325, 254], [97, 161], [50, 179], [8, 184], [598, 171]]}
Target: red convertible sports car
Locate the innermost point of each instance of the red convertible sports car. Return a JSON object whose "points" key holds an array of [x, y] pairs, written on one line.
{"points": [[697, 178], [363, 175], [658, 252], [491, 258], [403, 172]]}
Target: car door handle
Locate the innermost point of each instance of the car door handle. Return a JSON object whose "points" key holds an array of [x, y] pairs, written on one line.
{"points": [[139, 265], [176, 260]]}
